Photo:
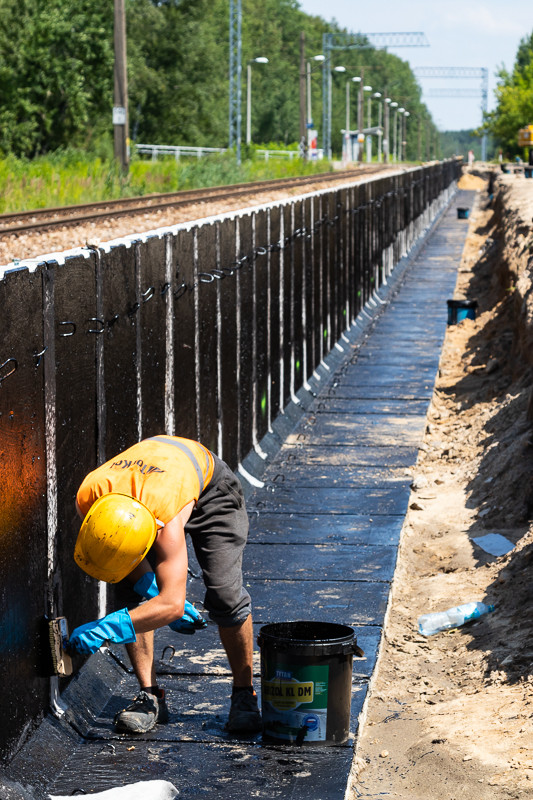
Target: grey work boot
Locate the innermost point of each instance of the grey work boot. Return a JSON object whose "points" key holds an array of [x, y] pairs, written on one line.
{"points": [[141, 715], [244, 715]]}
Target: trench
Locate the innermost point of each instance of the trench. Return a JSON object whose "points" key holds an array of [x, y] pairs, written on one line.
{"points": [[324, 473]]}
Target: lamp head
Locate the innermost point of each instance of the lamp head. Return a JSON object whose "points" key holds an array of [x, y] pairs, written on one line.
{"points": [[319, 57], [367, 88], [260, 60], [377, 95], [339, 69]]}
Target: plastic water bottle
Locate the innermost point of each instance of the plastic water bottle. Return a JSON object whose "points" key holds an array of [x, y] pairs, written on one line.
{"points": [[452, 618]]}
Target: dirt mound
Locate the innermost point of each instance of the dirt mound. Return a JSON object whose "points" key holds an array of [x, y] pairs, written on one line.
{"points": [[471, 182]]}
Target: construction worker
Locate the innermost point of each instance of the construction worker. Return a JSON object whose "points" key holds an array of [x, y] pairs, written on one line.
{"points": [[136, 510]]}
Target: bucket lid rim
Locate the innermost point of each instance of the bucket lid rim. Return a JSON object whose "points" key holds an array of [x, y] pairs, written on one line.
{"points": [[348, 636]]}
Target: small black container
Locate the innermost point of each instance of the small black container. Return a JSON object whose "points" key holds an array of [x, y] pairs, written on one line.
{"points": [[461, 309], [463, 213], [306, 681]]}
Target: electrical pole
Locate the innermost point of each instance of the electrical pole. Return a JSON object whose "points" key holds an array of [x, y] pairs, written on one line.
{"points": [[120, 94], [235, 75], [303, 125]]}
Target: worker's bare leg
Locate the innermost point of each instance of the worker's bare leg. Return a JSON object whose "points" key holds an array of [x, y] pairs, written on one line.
{"points": [[238, 642], [141, 654]]}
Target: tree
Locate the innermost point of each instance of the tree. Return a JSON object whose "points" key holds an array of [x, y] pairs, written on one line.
{"points": [[514, 100], [55, 73]]}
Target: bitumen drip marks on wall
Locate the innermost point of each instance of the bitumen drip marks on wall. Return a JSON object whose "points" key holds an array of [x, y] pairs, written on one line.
{"points": [[325, 524]]}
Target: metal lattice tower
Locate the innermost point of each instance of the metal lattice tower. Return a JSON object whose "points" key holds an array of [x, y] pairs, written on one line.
{"points": [[356, 41], [235, 70], [476, 73]]}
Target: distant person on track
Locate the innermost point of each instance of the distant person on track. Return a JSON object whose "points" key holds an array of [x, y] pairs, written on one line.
{"points": [[137, 509]]}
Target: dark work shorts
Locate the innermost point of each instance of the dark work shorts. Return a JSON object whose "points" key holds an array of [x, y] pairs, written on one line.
{"points": [[218, 527]]}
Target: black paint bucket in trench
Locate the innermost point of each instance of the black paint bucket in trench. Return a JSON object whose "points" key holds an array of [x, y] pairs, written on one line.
{"points": [[458, 310], [306, 681]]}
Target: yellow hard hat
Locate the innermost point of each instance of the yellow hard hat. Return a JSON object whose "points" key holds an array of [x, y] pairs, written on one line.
{"points": [[114, 537]]}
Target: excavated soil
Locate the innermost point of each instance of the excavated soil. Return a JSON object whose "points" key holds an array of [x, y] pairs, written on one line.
{"points": [[450, 716]]}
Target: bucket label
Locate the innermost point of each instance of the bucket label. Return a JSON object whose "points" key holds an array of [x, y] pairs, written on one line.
{"points": [[295, 703], [284, 694]]}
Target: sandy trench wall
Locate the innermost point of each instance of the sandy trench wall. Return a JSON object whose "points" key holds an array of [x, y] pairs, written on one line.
{"points": [[516, 213], [205, 330], [510, 249]]}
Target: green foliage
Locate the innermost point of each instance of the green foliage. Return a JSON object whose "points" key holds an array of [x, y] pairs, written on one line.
{"points": [[56, 67], [458, 143], [514, 101], [71, 177], [56, 74]]}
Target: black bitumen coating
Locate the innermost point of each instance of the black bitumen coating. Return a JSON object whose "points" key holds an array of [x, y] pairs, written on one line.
{"points": [[324, 533]]}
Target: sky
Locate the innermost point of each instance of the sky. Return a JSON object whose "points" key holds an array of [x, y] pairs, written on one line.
{"points": [[461, 33]]}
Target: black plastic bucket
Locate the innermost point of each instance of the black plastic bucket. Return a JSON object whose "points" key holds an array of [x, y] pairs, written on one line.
{"points": [[306, 681], [528, 172], [462, 213], [461, 309]]}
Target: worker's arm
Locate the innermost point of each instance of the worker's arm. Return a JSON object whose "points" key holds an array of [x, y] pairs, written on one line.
{"points": [[167, 607], [171, 573]]}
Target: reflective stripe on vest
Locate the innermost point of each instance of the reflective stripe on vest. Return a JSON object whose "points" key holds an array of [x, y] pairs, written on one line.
{"points": [[188, 452]]}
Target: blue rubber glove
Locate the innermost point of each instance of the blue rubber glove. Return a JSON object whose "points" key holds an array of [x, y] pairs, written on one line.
{"points": [[191, 621], [116, 627], [147, 586]]}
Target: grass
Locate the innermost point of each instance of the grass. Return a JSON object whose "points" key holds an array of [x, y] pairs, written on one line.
{"points": [[73, 177]]}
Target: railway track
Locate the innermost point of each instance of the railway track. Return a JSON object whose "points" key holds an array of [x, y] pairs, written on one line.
{"points": [[67, 216]]}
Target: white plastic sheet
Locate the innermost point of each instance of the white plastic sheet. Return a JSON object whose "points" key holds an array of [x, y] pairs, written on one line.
{"points": [[143, 790], [494, 543]]}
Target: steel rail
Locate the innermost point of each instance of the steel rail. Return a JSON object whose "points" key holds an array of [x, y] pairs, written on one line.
{"points": [[62, 216]]}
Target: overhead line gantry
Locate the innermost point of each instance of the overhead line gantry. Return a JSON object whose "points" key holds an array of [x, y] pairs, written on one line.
{"points": [[475, 73]]}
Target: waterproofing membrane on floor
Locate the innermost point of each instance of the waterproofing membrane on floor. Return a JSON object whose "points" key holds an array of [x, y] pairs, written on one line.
{"points": [[324, 533]]}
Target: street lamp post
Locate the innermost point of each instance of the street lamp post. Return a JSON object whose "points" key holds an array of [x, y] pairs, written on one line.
{"points": [[368, 125], [404, 137], [259, 60], [377, 96], [330, 83], [358, 81], [399, 139], [348, 152], [320, 58], [394, 106], [386, 137]]}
